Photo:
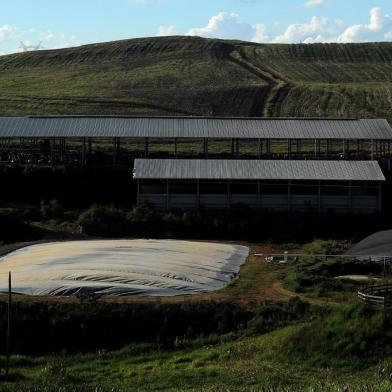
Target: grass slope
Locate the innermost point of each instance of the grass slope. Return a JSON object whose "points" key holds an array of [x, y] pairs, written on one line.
{"points": [[248, 364], [196, 76]]}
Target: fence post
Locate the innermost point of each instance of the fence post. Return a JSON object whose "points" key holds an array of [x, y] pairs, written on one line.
{"points": [[8, 345]]}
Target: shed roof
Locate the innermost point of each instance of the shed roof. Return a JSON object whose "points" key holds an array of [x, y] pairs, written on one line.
{"points": [[257, 170], [195, 127]]}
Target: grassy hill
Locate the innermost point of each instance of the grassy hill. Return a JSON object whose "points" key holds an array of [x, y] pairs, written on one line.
{"points": [[196, 76]]}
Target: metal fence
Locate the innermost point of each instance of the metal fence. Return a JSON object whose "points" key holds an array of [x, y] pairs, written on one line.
{"points": [[376, 295]]}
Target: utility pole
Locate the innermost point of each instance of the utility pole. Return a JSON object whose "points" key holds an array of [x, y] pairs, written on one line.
{"points": [[8, 345]]}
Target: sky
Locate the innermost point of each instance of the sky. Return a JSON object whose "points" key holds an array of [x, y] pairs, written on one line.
{"points": [[59, 23]]}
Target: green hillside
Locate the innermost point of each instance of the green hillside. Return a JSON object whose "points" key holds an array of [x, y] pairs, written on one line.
{"points": [[196, 76]]}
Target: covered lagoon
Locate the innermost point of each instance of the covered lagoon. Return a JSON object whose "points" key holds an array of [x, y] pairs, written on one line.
{"points": [[121, 267]]}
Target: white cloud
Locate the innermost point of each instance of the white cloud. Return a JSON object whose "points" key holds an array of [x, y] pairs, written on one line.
{"points": [[46, 35], [225, 25], [318, 29], [5, 30], [313, 3], [230, 26], [164, 31], [378, 29], [260, 33]]}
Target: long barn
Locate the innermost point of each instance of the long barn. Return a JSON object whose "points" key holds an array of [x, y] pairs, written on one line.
{"points": [[119, 140], [339, 186], [290, 164]]}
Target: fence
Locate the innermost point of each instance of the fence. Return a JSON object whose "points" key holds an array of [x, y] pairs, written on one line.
{"points": [[377, 295]]}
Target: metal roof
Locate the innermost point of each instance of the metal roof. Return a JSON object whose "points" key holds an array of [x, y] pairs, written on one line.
{"points": [[195, 127], [257, 170]]}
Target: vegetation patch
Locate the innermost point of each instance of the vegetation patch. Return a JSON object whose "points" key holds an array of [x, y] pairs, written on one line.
{"points": [[353, 331], [318, 275]]}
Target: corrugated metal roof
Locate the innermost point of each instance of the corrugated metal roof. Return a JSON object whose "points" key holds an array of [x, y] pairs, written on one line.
{"points": [[195, 127], [257, 170]]}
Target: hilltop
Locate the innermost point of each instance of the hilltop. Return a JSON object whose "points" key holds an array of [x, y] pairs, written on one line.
{"points": [[197, 76]]}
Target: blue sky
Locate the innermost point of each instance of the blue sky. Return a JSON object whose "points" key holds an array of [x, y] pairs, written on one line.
{"points": [[76, 22]]}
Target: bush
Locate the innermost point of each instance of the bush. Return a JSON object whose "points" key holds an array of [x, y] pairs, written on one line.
{"points": [[321, 273], [40, 327], [351, 331], [103, 221], [268, 318], [51, 209], [144, 221]]}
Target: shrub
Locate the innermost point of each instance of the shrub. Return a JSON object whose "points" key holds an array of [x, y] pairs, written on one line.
{"points": [[143, 220], [351, 331], [53, 327], [103, 221], [270, 317], [51, 209]]}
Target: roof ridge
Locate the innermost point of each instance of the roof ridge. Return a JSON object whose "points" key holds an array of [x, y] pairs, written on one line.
{"points": [[206, 117]]}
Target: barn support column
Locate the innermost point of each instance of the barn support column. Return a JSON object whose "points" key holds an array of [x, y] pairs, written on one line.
{"points": [[114, 151], [328, 149], [205, 147], [344, 148], [268, 147], [299, 149], [198, 193], [232, 148], [167, 195], [379, 197], [348, 148], [319, 196], [138, 192], [260, 148], [146, 145], [52, 144], [90, 146], [237, 148], [289, 148], [228, 194], [350, 196], [259, 199], [175, 147], [289, 196], [62, 149], [318, 149], [83, 151], [372, 150]]}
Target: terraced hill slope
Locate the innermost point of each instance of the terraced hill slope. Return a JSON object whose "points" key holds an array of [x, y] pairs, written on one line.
{"points": [[196, 76]]}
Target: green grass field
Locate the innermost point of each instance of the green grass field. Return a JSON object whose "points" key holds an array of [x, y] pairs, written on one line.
{"points": [[196, 76], [324, 341], [247, 364]]}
